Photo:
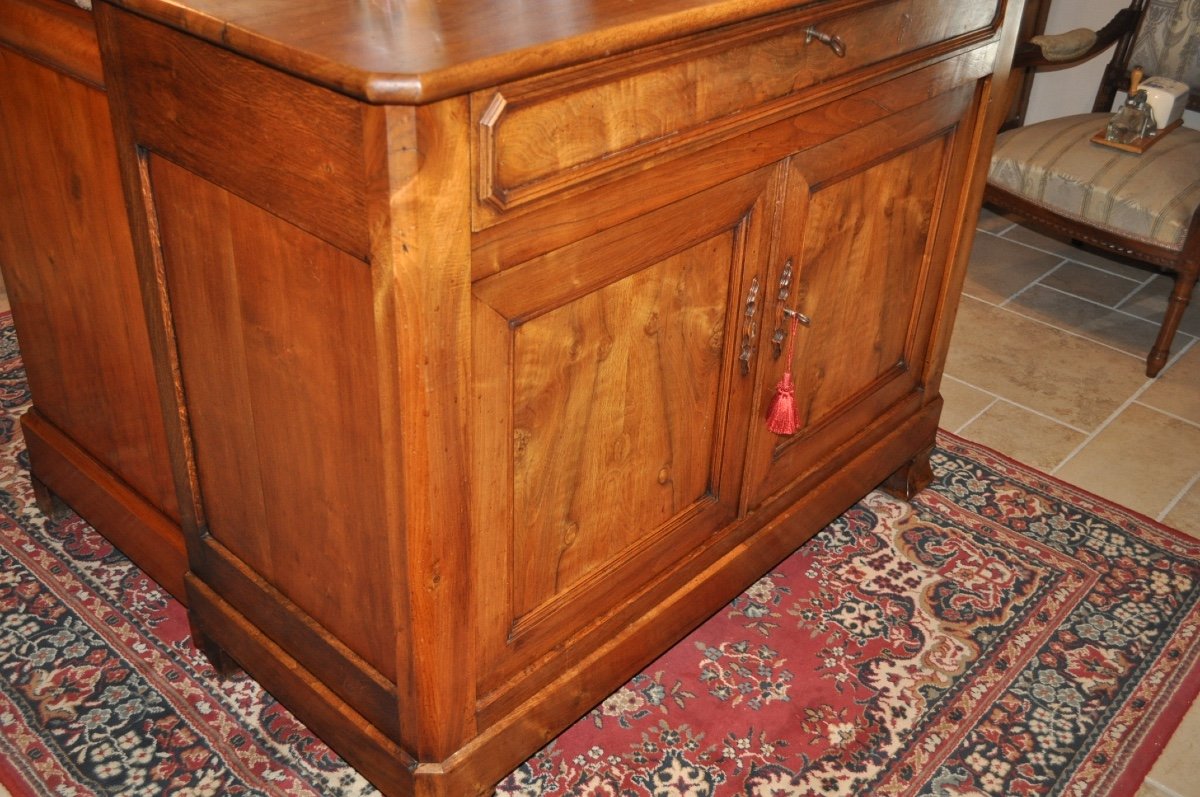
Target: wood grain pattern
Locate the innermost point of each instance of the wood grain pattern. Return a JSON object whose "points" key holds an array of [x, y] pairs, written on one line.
{"points": [[423, 300], [75, 478], [536, 228], [69, 247], [869, 217], [622, 381], [299, 155], [628, 419], [97, 435], [541, 135], [267, 384], [56, 34], [422, 51]]}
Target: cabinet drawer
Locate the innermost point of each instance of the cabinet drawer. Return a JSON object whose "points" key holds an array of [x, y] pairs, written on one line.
{"points": [[539, 137]]}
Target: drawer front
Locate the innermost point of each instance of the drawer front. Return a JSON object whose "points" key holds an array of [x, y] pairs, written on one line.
{"points": [[538, 137]]}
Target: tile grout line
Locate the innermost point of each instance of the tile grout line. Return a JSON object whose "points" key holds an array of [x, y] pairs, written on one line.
{"points": [[1160, 790], [1110, 308], [1063, 330], [1153, 786], [1187, 487], [998, 233], [1126, 404], [1168, 414], [1035, 248], [1010, 304], [1174, 502], [1037, 281], [997, 398], [1140, 286]]}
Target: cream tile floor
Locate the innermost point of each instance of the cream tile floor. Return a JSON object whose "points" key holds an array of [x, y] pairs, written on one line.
{"points": [[1047, 366]]}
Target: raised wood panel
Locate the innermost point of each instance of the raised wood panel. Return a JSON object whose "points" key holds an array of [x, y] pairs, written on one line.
{"points": [[269, 385], [537, 137], [868, 231], [628, 419], [69, 270], [623, 407]]}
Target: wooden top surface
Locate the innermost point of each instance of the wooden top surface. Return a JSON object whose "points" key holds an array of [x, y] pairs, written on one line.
{"points": [[415, 51]]}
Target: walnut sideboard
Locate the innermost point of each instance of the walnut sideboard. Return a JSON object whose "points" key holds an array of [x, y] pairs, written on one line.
{"points": [[466, 319]]}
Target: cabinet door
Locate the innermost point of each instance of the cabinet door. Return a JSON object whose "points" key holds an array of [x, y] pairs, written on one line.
{"points": [[866, 237], [611, 411]]}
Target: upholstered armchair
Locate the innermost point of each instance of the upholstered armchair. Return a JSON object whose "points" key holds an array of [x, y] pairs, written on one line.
{"points": [[1142, 207]]}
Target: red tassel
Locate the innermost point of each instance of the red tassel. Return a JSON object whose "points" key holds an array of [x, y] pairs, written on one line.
{"points": [[782, 417]]}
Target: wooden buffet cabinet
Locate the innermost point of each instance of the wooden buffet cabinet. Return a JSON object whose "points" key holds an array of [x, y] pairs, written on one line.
{"points": [[466, 318]]}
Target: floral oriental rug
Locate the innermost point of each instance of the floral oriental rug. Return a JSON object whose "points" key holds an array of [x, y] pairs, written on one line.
{"points": [[1004, 634]]}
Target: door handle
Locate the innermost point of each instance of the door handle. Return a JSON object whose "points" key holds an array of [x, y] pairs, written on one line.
{"points": [[749, 326]]}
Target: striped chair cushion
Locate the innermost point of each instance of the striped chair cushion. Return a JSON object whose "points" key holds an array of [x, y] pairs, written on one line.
{"points": [[1150, 197]]}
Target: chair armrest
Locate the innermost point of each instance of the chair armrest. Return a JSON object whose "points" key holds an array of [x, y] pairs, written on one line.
{"points": [[1065, 47], [1076, 45]]}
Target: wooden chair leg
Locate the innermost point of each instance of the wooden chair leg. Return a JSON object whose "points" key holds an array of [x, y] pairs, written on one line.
{"points": [[1181, 296]]}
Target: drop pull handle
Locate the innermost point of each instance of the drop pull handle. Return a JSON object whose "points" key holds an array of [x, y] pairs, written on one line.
{"points": [[785, 290], [833, 41], [749, 326]]}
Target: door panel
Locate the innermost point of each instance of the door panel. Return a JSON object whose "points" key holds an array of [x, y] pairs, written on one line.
{"points": [[614, 405], [861, 237], [616, 428]]}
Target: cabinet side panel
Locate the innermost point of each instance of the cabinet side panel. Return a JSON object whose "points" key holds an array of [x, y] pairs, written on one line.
{"points": [[68, 265], [275, 354]]}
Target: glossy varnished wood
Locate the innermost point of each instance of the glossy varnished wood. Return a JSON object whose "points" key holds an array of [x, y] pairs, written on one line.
{"points": [[96, 435], [870, 210], [537, 136], [469, 396], [275, 394], [417, 51]]}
